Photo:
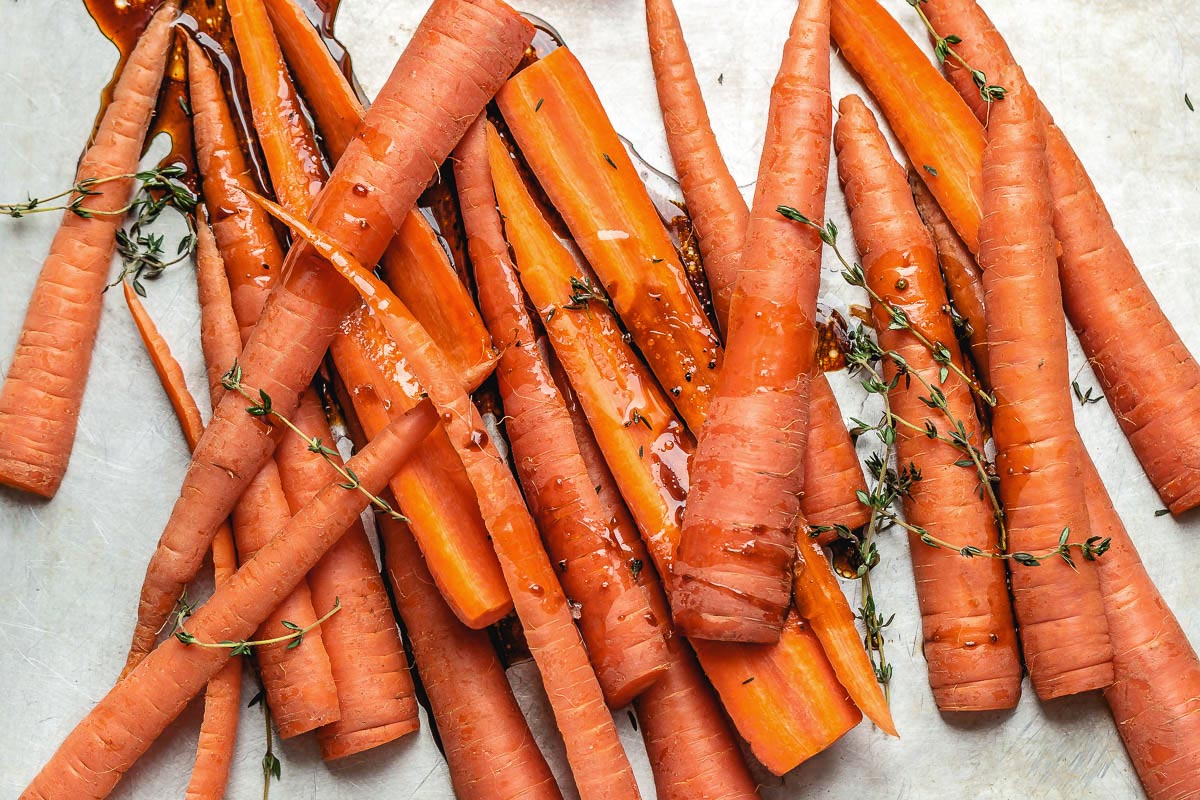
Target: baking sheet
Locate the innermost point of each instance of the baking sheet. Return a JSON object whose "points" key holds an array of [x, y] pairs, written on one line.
{"points": [[1115, 77]]}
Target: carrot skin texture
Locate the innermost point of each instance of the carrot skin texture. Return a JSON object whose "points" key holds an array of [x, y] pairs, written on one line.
{"points": [[833, 475], [1059, 609], [43, 388], [736, 553], [794, 707], [374, 185], [489, 748], [123, 725], [970, 641], [624, 644], [1150, 378]]}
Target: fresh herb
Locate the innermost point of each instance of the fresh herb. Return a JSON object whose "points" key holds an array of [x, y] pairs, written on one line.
{"points": [[538, 107], [932, 171], [293, 637], [1085, 397], [943, 48], [1162, 512], [1188, 101], [635, 567], [583, 291], [608, 158]]}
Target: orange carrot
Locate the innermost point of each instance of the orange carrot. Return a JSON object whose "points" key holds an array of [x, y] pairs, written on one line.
{"points": [[123, 725], [556, 117], [43, 390], [1150, 378], [970, 642], [735, 556], [833, 475], [959, 271], [625, 646], [223, 695], [594, 751], [373, 187], [1059, 607], [489, 749], [219, 337], [783, 698]]}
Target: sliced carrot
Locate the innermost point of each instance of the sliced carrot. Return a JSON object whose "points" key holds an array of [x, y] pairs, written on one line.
{"points": [[127, 721], [370, 191], [556, 117], [624, 644], [784, 698], [43, 389]]}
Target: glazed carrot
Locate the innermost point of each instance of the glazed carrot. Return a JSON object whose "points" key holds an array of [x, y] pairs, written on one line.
{"points": [[415, 264], [691, 747], [964, 284], [1150, 378], [43, 389], [1058, 607], [223, 695], [373, 186], [624, 644], [833, 475], [970, 642], [939, 131], [123, 725], [490, 752], [735, 556], [594, 751], [783, 698], [714, 202], [555, 115]]}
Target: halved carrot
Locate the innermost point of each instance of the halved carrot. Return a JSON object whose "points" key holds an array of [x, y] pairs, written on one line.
{"points": [[624, 644], [1059, 607], [43, 389], [556, 117], [594, 751], [784, 698], [127, 721], [369, 193], [970, 641]]}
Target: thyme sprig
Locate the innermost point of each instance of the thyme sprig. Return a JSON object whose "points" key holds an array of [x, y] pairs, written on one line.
{"points": [[271, 766], [943, 48], [584, 291], [262, 407], [294, 637]]}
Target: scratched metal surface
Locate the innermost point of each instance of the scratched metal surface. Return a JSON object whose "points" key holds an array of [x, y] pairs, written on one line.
{"points": [[1115, 76]]}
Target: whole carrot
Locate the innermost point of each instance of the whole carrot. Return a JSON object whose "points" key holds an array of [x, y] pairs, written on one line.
{"points": [[43, 389], [624, 644], [970, 642], [219, 337], [126, 722], [735, 556], [1059, 607], [373, 186]]}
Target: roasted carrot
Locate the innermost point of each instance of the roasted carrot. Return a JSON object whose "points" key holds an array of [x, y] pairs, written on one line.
{"points": [[624, 644], [373, 186], [1059, 607], [735, 556], [970, 642], [783, 698], [223, 695], [556, 117], [594, 751], [123, 725], [1150, 378], [964, 284], [43, 389]]}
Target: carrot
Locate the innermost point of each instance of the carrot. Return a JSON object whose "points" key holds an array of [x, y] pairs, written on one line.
{"points": [[489, 749], [594, 752], [223, 695], [556, 117], [415, 264], [625, 646], [43, 390], [970, 641], [959, 271], [833, 475], [939, 132], [735, 556], [134, 713], [373, 187], [1058, 606], [783, 698], [219, 336]]}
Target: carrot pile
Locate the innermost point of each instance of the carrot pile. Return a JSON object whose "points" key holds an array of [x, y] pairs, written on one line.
{"points": [[665, 499]]}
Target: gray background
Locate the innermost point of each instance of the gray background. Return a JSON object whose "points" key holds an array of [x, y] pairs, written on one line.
{"points": [[1113, 74]]}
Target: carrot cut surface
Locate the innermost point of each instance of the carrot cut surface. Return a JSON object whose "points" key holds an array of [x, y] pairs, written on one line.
{"points": [[970, 641], [43, 388]]}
